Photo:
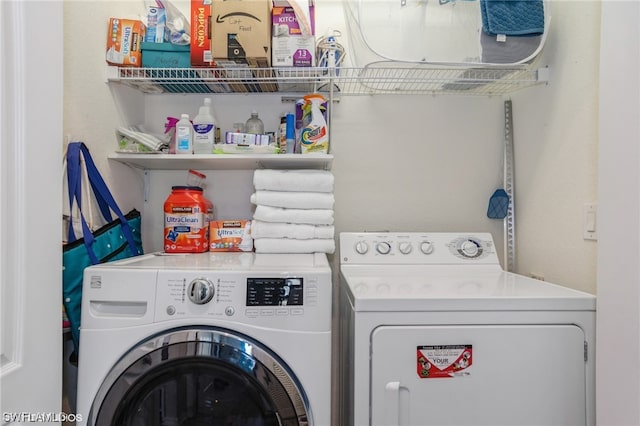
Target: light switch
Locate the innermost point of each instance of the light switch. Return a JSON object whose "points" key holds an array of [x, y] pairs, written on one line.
{"points": [[590, 222]]}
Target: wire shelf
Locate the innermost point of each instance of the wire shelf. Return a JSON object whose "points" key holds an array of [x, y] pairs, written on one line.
{"points": [[370, 80]]}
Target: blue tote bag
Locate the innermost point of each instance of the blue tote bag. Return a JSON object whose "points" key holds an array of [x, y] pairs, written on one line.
{"points": [[120, 238]]}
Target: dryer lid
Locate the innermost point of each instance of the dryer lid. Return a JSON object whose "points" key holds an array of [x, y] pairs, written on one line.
{"points": [[446, 288]]}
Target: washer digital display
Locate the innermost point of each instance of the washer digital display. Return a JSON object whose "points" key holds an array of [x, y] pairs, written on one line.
{"points": [[274, 291]]}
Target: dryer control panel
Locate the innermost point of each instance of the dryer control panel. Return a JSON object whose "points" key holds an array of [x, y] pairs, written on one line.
{"points": [[419, 248]]}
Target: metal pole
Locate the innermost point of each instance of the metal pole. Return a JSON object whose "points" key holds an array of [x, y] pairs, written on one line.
{"points": [[509, 185]]}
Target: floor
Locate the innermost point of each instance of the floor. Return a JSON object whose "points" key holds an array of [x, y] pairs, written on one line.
{"points": [[69, 377]]}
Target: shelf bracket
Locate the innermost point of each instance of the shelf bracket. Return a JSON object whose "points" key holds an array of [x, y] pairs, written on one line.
{"points": [[146, 181]]}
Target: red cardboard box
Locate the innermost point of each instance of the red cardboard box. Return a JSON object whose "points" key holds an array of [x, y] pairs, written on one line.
{"points": [[201, 33]]}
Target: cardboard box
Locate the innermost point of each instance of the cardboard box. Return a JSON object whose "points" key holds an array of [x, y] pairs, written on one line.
{"points": [[239, 138], [124, 38], [230, 235], [241, 29], [201, 33], [289, 47], [165, 55]]}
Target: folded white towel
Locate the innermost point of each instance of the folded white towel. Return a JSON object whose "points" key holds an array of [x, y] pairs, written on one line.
{"points": [[294, 200], [289, 245], [293, 180], [300, 231], [278, 214]]}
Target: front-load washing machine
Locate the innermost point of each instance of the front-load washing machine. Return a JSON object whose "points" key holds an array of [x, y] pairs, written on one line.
{"points": [[434, 332], [206, 339]]}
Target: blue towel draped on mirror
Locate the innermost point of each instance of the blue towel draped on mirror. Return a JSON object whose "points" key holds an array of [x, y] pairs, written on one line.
{"points": [[512, 17]]}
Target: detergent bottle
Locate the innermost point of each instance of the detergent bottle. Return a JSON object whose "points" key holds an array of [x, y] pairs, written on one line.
{"points": [[314, 137]]}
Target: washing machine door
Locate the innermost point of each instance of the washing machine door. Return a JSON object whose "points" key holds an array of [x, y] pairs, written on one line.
{"points": [[200, 376]]}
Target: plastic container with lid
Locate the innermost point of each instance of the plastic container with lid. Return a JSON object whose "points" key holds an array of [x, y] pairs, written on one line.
{"points": [[254, 124], [187, 213], [196, 178]]}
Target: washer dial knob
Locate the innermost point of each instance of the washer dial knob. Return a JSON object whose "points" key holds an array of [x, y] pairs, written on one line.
{"points": [[405, 247], [362, 247], [383, 247], [201, 291], [426, 247]]}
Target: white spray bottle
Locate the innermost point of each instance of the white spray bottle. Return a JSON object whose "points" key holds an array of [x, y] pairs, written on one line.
{"points": [[314, 137], [204, 129]]}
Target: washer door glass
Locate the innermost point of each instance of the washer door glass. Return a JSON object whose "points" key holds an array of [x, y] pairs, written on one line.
{"points": [[200, 377]]}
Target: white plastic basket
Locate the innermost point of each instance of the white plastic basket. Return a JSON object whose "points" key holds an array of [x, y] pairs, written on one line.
{"points": [[441, 32]]}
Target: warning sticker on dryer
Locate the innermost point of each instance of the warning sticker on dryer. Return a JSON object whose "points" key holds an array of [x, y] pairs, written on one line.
{"points": [[445, 361]]}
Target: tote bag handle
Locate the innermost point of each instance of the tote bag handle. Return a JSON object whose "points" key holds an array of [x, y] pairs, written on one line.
{"points": [[105, 200]]}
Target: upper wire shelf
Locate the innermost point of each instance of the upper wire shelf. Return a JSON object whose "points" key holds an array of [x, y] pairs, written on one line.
{"points": [[405, 79]]}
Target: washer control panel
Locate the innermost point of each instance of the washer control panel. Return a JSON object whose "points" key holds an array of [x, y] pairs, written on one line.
{"points": [[265, 299], [404, 248]]}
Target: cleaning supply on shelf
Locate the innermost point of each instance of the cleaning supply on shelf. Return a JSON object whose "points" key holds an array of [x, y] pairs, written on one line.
{"points": [[290, 134], [170, 133], [230, 235], [282, 134], [246, 139], [314, 137], [204, 129], [184, 135], [186, 220], [254, 124]]}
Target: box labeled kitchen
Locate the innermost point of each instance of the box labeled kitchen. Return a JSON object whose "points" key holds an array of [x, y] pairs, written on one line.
{"points": [[241, 29], [201, 33], [124, 39], [293, 42]]}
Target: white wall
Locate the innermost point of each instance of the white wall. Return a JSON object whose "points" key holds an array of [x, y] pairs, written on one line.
{"points": [[409, 162], [618, 349], [556, 152]]}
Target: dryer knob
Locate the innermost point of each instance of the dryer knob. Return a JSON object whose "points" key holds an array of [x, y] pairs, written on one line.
{"points": [[201, 291], [426, 247], [405, 247], [470, 248], [383, 247], [361, 247]]}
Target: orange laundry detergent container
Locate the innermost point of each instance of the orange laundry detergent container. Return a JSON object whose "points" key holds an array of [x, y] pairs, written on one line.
{"points": [[187, 213]]}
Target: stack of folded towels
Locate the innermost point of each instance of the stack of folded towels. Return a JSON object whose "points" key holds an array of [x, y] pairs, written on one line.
{"points": [[294, 211]]}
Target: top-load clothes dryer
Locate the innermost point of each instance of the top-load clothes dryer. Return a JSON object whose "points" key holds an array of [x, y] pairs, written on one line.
{"points": [[434, 332], [211, 338]]}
